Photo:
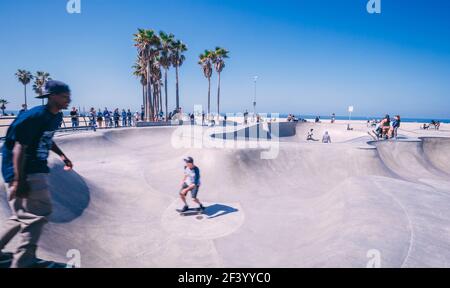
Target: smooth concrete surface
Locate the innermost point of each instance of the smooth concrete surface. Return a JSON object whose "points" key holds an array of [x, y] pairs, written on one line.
{"points": [[313, 205]]}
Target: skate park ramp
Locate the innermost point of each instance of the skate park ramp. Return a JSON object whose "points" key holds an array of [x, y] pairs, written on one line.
{"points": [[265, 131], [312, 205]]}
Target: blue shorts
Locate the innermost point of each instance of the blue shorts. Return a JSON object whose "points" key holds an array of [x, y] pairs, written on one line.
{"points": [[194, 191]]}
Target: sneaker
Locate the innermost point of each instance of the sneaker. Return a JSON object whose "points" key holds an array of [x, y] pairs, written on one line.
{"points": [[184, 209]]}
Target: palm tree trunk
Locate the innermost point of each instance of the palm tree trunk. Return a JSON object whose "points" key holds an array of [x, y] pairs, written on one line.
{"points": [[25, 88], [218, 100], [155, 102], [161, 109], [165, 90], [144, 100], [160, 98], [209, 97], [149, 110], [177, 89], [143, 96]]}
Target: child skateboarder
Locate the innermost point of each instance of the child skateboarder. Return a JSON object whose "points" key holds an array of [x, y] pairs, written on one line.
{"points": [[190, 183]]}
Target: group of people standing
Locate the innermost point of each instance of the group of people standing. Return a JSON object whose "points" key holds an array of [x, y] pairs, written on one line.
{"points": [[106, 118]]}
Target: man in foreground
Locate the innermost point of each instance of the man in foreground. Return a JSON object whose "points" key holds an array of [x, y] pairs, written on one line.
{"points": [[24, 168]]}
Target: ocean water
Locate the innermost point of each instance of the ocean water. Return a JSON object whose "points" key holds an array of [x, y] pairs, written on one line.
{"points": [[362, 118]]}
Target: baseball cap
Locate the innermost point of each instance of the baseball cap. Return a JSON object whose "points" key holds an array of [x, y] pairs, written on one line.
{"points": [[188, 160], [54, 87]]}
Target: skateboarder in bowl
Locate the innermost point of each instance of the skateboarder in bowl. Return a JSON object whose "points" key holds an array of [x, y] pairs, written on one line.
{"points": [[190, 183]]}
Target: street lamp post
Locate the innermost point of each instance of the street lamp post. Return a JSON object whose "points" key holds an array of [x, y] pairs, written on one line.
{"points": [[255, 78]]}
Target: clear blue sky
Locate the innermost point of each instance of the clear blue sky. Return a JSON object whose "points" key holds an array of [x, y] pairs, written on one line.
{"points": [[311, 56]]}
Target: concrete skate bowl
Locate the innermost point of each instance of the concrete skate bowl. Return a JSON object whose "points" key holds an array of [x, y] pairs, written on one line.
{"points": [[437, 152], [311, 206], [423, 161], [337, 131], [265, 131]]}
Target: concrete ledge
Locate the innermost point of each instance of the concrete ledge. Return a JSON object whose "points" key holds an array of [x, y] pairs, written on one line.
{"points": [[159, 124]]}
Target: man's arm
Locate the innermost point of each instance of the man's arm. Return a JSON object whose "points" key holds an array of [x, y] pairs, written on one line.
{"points": [[19, 184], [64, 158]]}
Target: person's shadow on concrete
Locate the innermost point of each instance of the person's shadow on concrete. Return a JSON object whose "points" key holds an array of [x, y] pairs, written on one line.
{"points": [[69, 193], [217, 210]]}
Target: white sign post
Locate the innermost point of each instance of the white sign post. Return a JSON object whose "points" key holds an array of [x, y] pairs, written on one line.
{"points": [[350, 111]]}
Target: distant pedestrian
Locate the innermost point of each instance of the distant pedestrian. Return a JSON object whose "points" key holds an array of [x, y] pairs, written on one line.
{"points": [[395, 126], [136, 118], [100, 118], [129, 117], [245, 117], [74, 117], [24, 108], [116, 117], [92, 119], [326, 138], [124, 118], [107, 117]]}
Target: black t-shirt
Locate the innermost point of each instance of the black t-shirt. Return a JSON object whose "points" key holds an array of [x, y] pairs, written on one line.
{"points": [[74, 115], [34, 128]]}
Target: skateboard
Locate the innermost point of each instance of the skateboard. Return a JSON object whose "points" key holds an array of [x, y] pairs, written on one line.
{"points": [[190, 212]]}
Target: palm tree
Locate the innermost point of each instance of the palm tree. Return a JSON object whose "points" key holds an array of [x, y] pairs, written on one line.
{"points": [[177, 60], [39, 83], [206, 63], [25, 78], [218, 57], [3, 102], [148, 45], [140, 71], [156, 80], [167, 41]]}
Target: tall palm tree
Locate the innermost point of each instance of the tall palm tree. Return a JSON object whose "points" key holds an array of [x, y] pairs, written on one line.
{"points": [[177, 60], [140, 71], [148, 45], [25, 78], [3, 102], [167, 41], [205, 61], [156, 80], [39, 83], [218, 57]]}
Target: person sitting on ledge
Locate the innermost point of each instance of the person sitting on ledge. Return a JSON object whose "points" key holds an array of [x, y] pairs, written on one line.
{"points": [[310, 135]]}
